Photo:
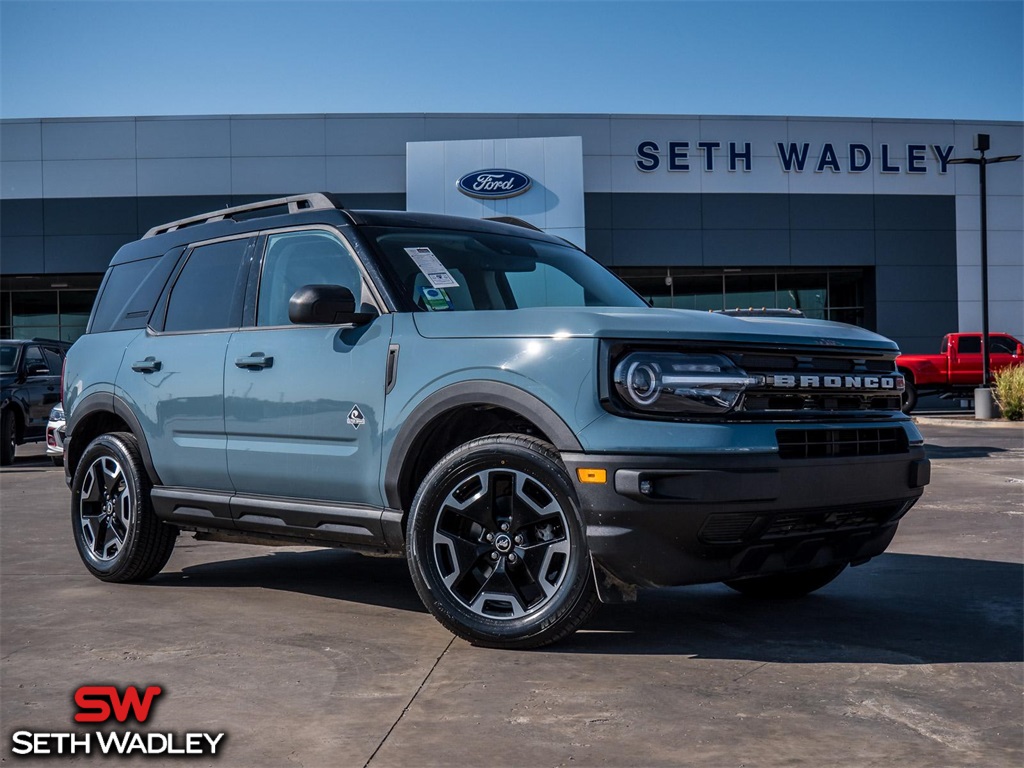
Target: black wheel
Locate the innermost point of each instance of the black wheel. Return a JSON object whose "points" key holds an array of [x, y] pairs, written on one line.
{"points": [[118, 536], [787, 585], [8, 437], [909, 397], [496, 545], [58, 461]]}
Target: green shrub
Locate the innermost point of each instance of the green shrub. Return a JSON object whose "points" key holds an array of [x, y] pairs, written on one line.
{"points": [[1009, 392]]}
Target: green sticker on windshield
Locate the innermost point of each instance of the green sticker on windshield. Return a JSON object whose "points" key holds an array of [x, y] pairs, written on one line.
{"points": [[436, 299]]}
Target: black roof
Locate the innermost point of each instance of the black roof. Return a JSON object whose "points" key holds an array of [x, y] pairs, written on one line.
{"points": [[312, 208]]}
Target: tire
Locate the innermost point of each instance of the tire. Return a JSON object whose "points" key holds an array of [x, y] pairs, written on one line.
{"points": [[8, 438], [58, 461], [118, 536], [787, 585], [909, 397], [496, 544]]}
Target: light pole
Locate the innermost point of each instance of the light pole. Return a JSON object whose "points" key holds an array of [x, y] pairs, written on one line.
{"points": [[983, 395]]}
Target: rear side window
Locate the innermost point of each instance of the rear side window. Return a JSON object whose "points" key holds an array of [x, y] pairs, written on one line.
{"points": [[209, 292], [123, 282], [54, 359], [969, 345]]}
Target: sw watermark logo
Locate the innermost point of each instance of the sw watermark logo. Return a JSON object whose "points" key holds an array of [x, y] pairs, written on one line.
{"points": [[98, 703], [106, 704], [494, 183]]}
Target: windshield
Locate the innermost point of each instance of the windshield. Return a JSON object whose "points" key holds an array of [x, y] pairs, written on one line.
{"points": [[435, 270], [8, 358]]}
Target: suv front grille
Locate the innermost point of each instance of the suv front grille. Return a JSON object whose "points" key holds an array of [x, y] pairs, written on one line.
{"points": [[829, 521], [819, 383], [763, 402], [841, 443], [748, 527]]}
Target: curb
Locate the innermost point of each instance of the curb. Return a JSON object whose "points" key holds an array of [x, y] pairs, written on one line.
{"points": [[966, 421]]}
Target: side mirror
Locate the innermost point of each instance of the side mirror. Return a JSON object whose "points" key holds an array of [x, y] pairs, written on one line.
{"points": [[325, 305], [1020, 350]]}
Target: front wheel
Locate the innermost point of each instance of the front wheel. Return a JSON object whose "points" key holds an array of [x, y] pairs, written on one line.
{"points": [[787, 585], [496, 545], [119, 537]]}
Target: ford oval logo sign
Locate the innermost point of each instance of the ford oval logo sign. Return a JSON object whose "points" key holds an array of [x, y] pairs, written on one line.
{"points": [[494, 183]]}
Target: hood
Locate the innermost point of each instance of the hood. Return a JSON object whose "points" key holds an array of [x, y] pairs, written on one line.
{"points": [[652, 324]]}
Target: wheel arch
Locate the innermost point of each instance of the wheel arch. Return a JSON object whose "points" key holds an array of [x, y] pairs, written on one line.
{"points": [[95, 415], [17, 407], [459, 413]]}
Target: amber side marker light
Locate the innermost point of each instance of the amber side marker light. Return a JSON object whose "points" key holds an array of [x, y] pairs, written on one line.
{"points": [[592, 475]]}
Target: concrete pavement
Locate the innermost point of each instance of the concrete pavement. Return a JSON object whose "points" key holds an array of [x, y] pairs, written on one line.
{"points": [[326, 658]]}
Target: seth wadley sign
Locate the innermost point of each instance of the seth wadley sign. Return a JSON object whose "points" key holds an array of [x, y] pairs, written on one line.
{"points": [[792, 156]]}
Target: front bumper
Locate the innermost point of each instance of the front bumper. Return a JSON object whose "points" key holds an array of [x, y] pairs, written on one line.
{"points": [[55, 440], [690, 519]]}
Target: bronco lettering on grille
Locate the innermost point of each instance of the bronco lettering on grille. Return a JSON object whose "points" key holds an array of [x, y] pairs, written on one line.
{"points": [[855, 383]]}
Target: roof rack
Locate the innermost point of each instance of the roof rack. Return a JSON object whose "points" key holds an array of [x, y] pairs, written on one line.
{"points": [[313, 201]]}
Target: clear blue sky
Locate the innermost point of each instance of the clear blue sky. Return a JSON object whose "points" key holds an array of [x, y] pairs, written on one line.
{"points": [[962, 60]]}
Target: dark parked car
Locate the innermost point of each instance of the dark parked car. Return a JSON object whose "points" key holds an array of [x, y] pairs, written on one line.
{"points": [[30, 373]]}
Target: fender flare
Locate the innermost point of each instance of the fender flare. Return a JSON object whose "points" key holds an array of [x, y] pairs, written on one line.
{"points": [[106, 402], [477, 392]]}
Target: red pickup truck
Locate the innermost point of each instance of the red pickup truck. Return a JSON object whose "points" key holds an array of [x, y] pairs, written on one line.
{"points": [[956, 370]]}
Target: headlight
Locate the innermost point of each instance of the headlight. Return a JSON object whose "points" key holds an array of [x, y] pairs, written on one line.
{"points": [[57, 414], [680, 383]]}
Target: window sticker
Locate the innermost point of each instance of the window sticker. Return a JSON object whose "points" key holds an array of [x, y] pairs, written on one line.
{"points": [[435, 299], [432, 268]]}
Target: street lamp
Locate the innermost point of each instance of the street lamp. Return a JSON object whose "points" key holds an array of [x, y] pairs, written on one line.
{"points": [[983, 396]]}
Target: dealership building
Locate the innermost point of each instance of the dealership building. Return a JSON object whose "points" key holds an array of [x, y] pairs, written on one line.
{"points": [[864, 221]]}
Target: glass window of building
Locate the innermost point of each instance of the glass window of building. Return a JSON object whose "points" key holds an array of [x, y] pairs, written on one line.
{"points": [[53, 313], [824, 294]]}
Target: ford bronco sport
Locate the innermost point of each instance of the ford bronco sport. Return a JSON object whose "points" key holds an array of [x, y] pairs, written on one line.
{"points": [[481, 397]]}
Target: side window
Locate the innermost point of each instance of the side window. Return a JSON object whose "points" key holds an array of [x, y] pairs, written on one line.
{"points": [[207, 293], [54, 360], [1002, 346], [295, 259], [122, 283], [33, 356], [969, 345]]}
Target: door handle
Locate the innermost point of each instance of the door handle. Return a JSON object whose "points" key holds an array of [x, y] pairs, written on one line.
{"points": [[149, 365], [255, 361]]}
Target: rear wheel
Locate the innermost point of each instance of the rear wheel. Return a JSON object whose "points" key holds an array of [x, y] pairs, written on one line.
{"points": [[496, 545], [909, 397], [8, 437], [118, 536], [787, 585]]}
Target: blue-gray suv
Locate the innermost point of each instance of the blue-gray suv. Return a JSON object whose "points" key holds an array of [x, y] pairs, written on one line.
{"points": [[482, 398]]}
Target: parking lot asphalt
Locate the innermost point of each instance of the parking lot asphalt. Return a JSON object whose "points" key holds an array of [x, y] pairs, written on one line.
{"points": [[309, 657]]}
